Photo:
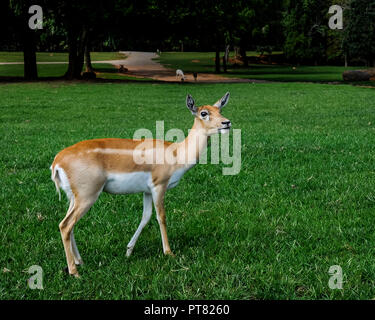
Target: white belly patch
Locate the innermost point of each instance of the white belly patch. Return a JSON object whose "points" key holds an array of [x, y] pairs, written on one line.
{"points": [[132, 182], [175, 178]]}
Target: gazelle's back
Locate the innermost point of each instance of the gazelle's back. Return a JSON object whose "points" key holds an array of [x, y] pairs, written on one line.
{"points": [[111, 154], [110, 163]]}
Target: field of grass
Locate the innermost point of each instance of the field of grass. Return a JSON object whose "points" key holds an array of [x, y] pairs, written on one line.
{"points": [[6, 56], [107, 70], [303, 201], [104, 71], [44, 70], [204, 62]]}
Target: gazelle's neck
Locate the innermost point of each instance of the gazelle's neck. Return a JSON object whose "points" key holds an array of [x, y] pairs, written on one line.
{"points": [[194, 144]]}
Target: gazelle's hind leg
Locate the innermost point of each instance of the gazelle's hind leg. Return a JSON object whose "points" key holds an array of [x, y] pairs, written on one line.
{"points": [[76, 255], [147, 212], [82, 203]]}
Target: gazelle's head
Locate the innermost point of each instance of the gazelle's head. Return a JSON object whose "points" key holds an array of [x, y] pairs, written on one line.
{"points": [[209, 118]]}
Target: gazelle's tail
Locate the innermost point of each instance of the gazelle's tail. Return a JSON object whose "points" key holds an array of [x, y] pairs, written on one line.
{"points": [[55, 179]]}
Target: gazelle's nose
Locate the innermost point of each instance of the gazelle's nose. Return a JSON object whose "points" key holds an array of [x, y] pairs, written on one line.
{"points": [[226, 123]]}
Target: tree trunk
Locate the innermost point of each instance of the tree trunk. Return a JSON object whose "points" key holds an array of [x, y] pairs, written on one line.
{"points": [[81, 53], [236, 52], [29, 55], [243, 56], [76, 43], [71, 58], [243, 52], [217, 61], [225, 58], [88, 64], [72, 44], [224, 64]]}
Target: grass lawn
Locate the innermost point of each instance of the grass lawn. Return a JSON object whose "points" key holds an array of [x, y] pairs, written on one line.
{"points": [[44, 70], [105, 71], [108, 71], [205, 62], [303, 201], [6, 56]]}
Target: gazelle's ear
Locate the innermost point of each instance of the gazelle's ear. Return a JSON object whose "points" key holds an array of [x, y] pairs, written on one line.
{"points": [[223, 101], [191, 104]]}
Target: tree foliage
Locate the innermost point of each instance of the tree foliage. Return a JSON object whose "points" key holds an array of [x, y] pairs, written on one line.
{"points": [[305, 28], [359, 41], [298, 27]]}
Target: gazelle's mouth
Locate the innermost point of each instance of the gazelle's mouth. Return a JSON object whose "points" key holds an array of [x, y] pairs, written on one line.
{"points": [[224, 129]]}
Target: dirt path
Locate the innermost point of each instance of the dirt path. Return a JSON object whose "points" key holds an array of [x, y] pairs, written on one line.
{"points": [[140, 64]]}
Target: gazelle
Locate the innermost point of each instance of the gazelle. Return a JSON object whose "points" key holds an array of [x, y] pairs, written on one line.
{"points": [[89, 167]]}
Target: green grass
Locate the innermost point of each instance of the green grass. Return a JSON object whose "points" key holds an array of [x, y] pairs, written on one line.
{"points": [[44, 70], [105, 71], [303, 201], [205, 63], [6, 56], [58, 70]]}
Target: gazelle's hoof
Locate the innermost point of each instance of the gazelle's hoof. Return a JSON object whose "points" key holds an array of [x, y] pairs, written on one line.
{"points": [[169, 253], [75, 274], [129, 252], [79, 262]]}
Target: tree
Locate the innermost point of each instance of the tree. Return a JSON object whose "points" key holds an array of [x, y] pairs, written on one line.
{"points": [[359, 40], [20, 11], [79, 20], [76, 20], [305, 30], [214, 27], [9, 39], [335, 51]]}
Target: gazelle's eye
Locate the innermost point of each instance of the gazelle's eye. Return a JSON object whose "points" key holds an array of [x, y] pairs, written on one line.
{"points": [[204, 114]]}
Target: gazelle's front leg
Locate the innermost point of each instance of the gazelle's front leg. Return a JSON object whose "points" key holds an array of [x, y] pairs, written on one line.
{"points": [[158, 193], [147, 212]]}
